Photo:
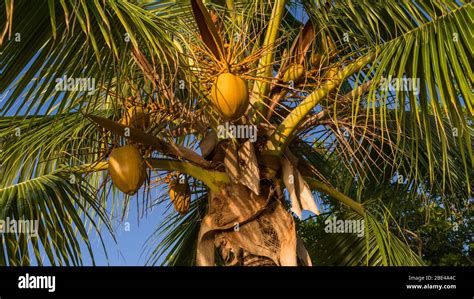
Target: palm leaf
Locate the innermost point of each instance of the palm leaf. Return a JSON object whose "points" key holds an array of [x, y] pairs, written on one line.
{"points": [[175, 240], [379, 245], [62, 210]]}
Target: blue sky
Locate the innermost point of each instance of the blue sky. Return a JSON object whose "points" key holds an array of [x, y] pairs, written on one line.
{"points": [[129, 249]]}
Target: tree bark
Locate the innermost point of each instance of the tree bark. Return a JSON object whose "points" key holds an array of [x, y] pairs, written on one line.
{"points": [[246, 229]]}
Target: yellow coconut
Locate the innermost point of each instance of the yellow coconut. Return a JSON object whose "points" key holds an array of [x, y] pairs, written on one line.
{"points": [[230, 96], [136, 117], [127, 169], [180, 194], [294, 73]]}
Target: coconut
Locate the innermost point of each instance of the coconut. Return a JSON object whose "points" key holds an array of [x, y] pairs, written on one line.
{"points": [[127, 169], [294, 73], [136, 117], [180, 194], [230, 96]]}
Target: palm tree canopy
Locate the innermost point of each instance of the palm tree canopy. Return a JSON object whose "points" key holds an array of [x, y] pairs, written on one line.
{"points": [[383, 107]]}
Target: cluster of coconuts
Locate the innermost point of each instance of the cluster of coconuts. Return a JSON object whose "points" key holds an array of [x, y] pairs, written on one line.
{"points": [[229, 94], [127, 168]]}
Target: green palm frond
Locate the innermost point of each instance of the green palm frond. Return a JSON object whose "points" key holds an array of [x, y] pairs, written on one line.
{"points": [[34, 146], [379, 245], [357, 24], [64, 207], [31, 65], [431, 126], [174, 243], [429, 54], [375, 159]]}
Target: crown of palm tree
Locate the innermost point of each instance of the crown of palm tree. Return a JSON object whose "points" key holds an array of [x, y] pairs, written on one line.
{"points": [[384, 107]]}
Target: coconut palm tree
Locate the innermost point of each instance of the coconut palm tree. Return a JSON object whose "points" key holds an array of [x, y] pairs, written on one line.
{"points": [[354, 103]]}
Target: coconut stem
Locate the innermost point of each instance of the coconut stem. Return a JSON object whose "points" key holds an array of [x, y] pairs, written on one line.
{"points": [[266, 62], [211, 178]]}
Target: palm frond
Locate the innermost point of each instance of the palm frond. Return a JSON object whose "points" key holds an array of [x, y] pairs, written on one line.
{"points": [[175, 241], [39, 144], [427, 124], [32, 66], [63, 207], [378, 246]]}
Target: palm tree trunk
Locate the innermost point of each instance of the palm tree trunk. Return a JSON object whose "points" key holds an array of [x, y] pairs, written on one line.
{"points": [[246, 229]]}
